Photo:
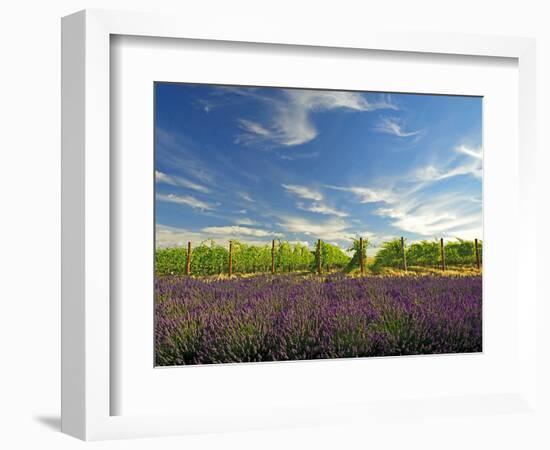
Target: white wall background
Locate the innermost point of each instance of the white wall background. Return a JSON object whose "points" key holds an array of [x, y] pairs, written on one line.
{"points": [[30, 198]]}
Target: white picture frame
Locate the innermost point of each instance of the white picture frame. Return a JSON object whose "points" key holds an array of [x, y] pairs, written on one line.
{"points": [[86, 217]]}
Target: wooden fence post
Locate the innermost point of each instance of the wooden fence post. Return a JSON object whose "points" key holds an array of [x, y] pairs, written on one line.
{"points": [[272, 256], [442, 254], [319, 256], [188, 263], [404, 254], [477, 254], [361, 262], [230, 258]]}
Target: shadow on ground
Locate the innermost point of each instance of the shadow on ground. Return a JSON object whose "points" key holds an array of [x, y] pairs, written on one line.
{"points": [[51, 422]]}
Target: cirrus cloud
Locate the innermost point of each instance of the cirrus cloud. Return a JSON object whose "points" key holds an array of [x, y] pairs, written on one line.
{"points": [[394, 127], [291, 121], [303, 192], [236, 230], [161, 177], [186, 200]]}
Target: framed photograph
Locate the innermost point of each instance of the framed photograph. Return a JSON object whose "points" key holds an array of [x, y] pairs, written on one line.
{"points": [[276, 217], [265, 229]]}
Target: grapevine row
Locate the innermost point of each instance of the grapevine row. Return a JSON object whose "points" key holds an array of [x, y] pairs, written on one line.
{"points": [[210, 258]]}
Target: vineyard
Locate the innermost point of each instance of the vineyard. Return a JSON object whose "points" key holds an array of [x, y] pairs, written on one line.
{"points": [[210, 258]]}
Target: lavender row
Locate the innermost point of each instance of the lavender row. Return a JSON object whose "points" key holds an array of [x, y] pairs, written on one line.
{"points": [[295, 318]]}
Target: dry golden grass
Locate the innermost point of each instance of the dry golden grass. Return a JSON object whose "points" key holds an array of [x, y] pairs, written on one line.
{"points": [[465, 271], [413, 271]]}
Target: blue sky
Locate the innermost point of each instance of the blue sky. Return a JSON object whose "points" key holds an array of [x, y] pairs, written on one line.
{"points": [[255, 164]]}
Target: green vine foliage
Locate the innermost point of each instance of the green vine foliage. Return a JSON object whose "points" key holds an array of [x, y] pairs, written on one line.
{"points": [[428, 253], [210, 258], [355, 261], [332, 258]]}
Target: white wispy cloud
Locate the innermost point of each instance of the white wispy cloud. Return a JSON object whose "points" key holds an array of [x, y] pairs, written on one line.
{"points": [[394, 127], [167, 236], [367, 194], [332, 229], [472, 165], [433, 173], [245, 221], [446, 215], [246, 196], [414, 210], [303, 192], [161, 177], [470, 151], [366, 234], [412, 207], [477, 199], [255, 128], [186, 200], [291, 123], [182, 154], [298, 156], [317, 205], [322, 208], [236, 230]]}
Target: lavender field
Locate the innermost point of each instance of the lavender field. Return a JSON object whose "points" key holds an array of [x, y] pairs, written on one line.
{"points": [[297, 317]]}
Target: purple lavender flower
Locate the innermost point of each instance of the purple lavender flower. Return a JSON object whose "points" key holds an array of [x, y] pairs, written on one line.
{"points": [[281, 318]]}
